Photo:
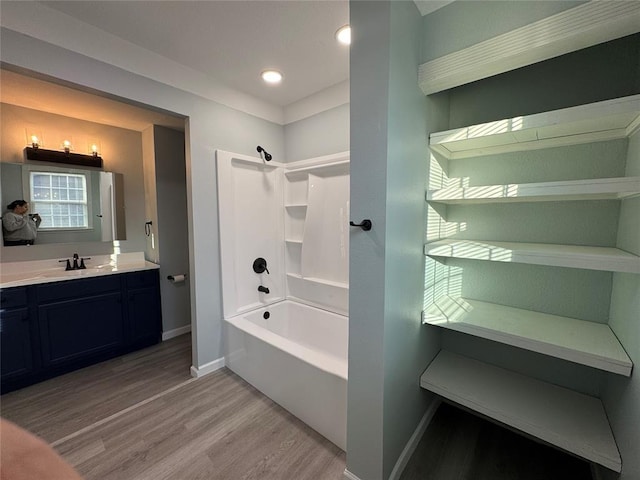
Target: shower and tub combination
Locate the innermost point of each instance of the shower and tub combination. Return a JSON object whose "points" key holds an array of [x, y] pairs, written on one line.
{"points": [[284, 243]]}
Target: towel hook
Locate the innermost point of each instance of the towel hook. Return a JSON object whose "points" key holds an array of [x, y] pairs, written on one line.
{"points": [[364, 225]]}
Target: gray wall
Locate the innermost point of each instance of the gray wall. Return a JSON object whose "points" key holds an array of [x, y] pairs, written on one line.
{"points": [[173, 230], [321, 134], [210, 126], [388, 346], [621, 395]]}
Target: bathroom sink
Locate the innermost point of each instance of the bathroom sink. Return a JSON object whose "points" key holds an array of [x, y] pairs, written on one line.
{"points": [[75, 273]]}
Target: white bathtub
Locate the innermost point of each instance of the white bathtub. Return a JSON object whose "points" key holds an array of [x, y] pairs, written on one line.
{"points": [[298, 358]]}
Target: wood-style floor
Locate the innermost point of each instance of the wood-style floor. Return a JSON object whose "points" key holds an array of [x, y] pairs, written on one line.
{"points": [[460, 446], [142, 417]]}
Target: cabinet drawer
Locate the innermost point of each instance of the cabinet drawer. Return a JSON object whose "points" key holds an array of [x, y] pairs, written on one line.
{"points": [[78, 288], [144, 278], [13, 297]]}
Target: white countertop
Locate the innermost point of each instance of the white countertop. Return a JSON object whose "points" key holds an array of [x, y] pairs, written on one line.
{"points": [[16, 274]]}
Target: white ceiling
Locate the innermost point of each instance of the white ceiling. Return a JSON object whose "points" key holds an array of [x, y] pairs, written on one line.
{"points": [[233, 41]]}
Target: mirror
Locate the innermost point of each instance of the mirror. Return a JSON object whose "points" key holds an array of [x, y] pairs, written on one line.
{"points": [[97, 214]]}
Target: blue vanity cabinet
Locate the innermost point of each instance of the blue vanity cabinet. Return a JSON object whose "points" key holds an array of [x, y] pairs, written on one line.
{"points": [[53, 328], [144, 310], [80, 320], [16, 339]]}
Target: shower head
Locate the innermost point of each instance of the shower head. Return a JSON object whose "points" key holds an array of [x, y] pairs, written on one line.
{"points": [[267, 156]]}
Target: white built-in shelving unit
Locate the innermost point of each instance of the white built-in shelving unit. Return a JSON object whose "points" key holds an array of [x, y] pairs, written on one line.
{"points": [[567, 419], [599, 121], [572, 256], [592, 189], [587, 343]]}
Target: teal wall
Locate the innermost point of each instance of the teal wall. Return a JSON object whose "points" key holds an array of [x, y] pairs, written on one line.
{"points": [[464, 23], [321, 134], [621, 395], [597, 73], [408, 346]]}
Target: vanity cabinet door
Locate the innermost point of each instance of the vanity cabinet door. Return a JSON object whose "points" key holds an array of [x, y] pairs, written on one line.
{"points": [[145, 317], [16, 355], [74, 330]]}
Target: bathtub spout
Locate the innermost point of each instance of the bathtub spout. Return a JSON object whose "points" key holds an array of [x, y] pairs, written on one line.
{"points": [[263, 289]]}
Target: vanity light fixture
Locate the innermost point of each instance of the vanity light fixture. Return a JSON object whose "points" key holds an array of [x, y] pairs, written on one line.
{"points": [[66, 145], [343, 35], [38, 154], [271, 76], [34, 142]]}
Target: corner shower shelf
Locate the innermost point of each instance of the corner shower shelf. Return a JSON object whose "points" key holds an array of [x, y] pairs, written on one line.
{"points": [[593, 189], [599, 121], [320, 281], [571, 256], [572, 421], [293, 241], [587, 343], [326, 169], [296, 205]]}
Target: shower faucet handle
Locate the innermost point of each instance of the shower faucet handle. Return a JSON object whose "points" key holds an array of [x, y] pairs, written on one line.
{"points": [[260, 265]]}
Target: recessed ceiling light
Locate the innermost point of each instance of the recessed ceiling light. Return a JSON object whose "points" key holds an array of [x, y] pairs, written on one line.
{"points": [[343, 35], [271, 76]]}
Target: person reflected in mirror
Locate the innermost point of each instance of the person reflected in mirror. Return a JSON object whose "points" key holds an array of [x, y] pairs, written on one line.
{"points": [[19, 227]]}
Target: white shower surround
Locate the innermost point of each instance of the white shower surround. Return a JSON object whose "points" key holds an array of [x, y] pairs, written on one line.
{"points": [[295, 216]]}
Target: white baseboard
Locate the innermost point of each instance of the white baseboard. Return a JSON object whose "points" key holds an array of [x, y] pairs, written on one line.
{"points": [[349, 476], [207, 368], [176, 332], [412, 444]]}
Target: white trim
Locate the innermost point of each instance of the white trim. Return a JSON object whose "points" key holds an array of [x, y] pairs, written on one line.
{"points": [[413, 442], [176, 332], [579, 27], [207, 368], [319, 102], [347, 475]]}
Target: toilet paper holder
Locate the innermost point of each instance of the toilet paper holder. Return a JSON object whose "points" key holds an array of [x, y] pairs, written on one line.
{"points": [[177, 278]]}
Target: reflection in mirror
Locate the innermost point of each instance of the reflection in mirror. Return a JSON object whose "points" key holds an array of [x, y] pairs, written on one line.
{"points": [[75, 205]]}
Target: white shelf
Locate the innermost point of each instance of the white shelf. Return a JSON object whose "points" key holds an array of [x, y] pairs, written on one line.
{"points": [[593, 189], [587, 343], [293, 241], [599, 121], [572, 421], [571, 256], [320, 281], [296, 205]]}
